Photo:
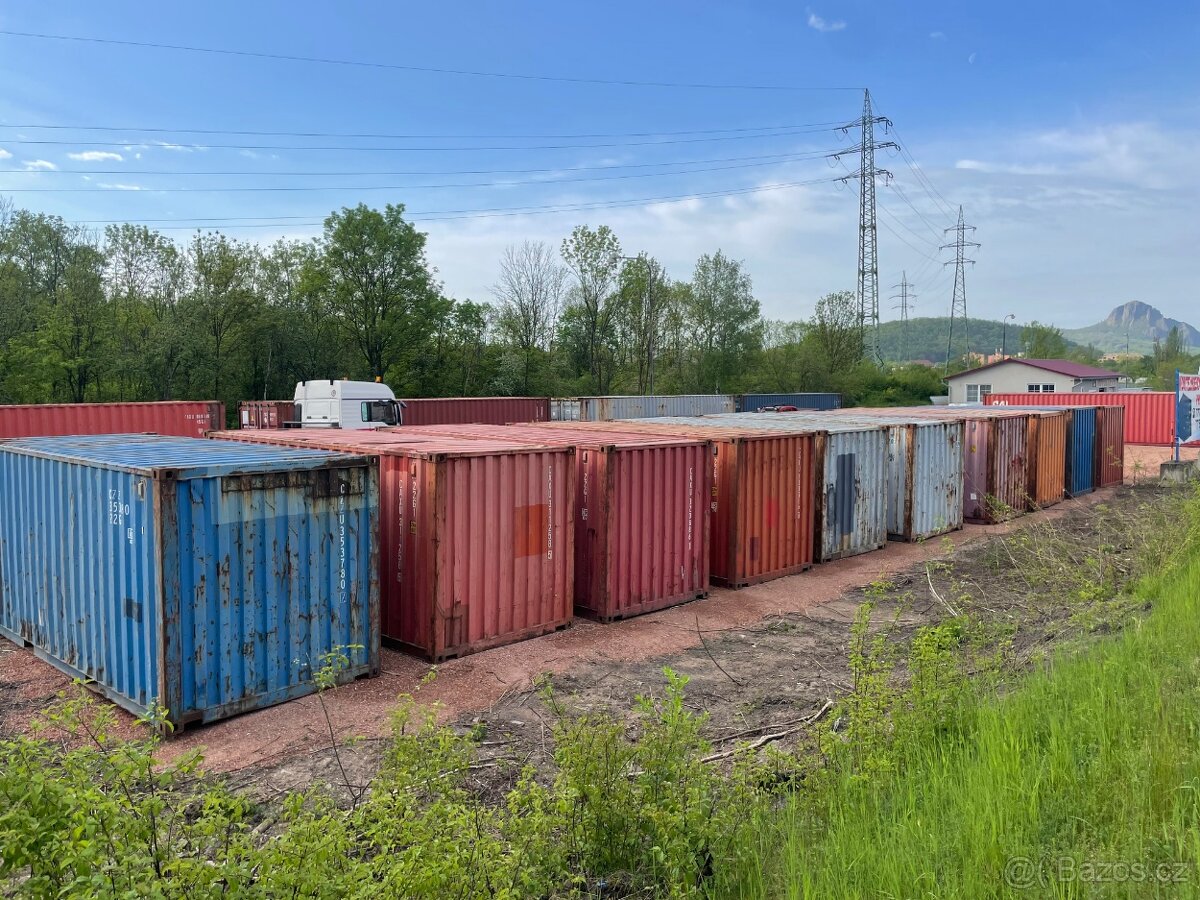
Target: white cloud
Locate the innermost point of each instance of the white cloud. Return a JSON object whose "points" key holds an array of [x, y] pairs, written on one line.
{"points": [[39, 165], [822, 25], [96, 156], [4, 154], [937, 35], [181, 148], [119, 187], [992, 168]]}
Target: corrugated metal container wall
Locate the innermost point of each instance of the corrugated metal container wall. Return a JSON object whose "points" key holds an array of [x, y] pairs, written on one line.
{"points": [[1081, 451], [762, 499], [185, 418], [606, 409], [1047, 449], [475, 410], [925, 479], [208, 578], [851, 501], [1149, 415], [564, 410], [755, 402], [995, 476], [641, 515], [476, 536], [265, 413], [1110, 445]]}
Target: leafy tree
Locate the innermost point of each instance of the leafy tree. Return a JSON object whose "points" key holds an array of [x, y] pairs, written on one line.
{"points": [[530, 293], [594, 257], [1043, 341], [380, 287], [836, 331], [724, 319]]}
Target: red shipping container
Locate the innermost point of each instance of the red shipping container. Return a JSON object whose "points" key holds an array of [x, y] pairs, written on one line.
{"points": [[1149, 415], [1110, 445], [475, 536], [475, 410], [265, 413], [762, 498], [182, 418], [641, 514]]}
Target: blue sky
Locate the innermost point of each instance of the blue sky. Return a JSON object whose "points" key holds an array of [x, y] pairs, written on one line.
{"points": [[1066, 130]]}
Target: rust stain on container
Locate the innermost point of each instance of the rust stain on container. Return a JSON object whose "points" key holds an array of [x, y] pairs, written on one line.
{"points": [[641, 514], [750, 471], [476, 536], [1111, 431], [185, 418]]}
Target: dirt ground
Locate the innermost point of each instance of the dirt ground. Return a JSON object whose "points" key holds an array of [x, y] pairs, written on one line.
{"points": [[758, 658], [1141, 461]]}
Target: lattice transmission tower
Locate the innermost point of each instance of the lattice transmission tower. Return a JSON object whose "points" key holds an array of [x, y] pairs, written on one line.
{"points": [[958, 303], [903, 303]]}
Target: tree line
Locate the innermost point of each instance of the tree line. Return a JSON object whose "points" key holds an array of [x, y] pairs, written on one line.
{"points": [[130, 314]]}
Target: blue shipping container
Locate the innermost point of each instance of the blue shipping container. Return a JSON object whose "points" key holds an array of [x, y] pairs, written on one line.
{"points": [[1081, 451], [755, 402], [209, 577]]}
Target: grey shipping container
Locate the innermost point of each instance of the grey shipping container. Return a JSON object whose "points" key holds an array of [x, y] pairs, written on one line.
{"points": [[755, 402], [564, 409], [205, 577], [604, 409], [851, 461]]}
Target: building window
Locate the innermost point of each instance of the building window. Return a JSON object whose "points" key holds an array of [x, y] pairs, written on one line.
{"points": [[1034, 388], [1047, 389], [976, 392]]}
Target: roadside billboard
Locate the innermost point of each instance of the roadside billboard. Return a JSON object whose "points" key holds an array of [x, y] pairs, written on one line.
{"points": [[1187, 409]]}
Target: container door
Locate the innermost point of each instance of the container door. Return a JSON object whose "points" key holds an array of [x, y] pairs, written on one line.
{"points": [[841, 500]]}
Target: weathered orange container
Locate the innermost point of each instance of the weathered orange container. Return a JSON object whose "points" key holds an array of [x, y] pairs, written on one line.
{"points": [[475, 536], [265, 413], [183, 418], [1047, 449], [641, 514], [762, 499], [1110, 445]]}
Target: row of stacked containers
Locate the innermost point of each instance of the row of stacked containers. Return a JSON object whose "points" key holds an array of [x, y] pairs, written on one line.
{"points": [[448, 539], [621, 407]]}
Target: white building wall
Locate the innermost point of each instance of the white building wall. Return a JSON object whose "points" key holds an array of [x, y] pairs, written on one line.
{"points": [[1014, 377]]}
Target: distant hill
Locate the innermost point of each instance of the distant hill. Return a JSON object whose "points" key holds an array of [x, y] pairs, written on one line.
{"points": [[1135, 324], [927, 338]]}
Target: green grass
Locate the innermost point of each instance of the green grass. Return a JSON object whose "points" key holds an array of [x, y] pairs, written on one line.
{"points": [[1093, 761]]}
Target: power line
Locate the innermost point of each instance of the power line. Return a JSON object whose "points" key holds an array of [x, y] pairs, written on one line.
{"points": [[40, 142], [903, 196], [493, 212], [384, 136], [765, 160], [331, 61]]}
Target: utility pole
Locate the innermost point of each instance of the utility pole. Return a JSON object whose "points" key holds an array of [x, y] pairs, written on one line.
{"points": [[905, 297], [868, 248], [958, 303]]}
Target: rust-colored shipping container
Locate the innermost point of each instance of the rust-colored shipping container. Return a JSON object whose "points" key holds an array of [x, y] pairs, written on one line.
{"points": [[475, 536], [1110, 445], [183, 418], [641, 514], [1047, 449], [762, 498], [474, 410], [265, 413], [1149, 415]]}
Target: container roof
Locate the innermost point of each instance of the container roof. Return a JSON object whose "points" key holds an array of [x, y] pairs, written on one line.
{"points": [[186, 457], [1058, 366], [400, 440]]}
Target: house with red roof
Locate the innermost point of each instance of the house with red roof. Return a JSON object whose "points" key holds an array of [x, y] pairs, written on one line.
{"points": [[1031, 376]]}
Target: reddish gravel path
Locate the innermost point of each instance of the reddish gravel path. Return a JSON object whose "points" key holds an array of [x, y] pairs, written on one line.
{"points": [[474, 683]]}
